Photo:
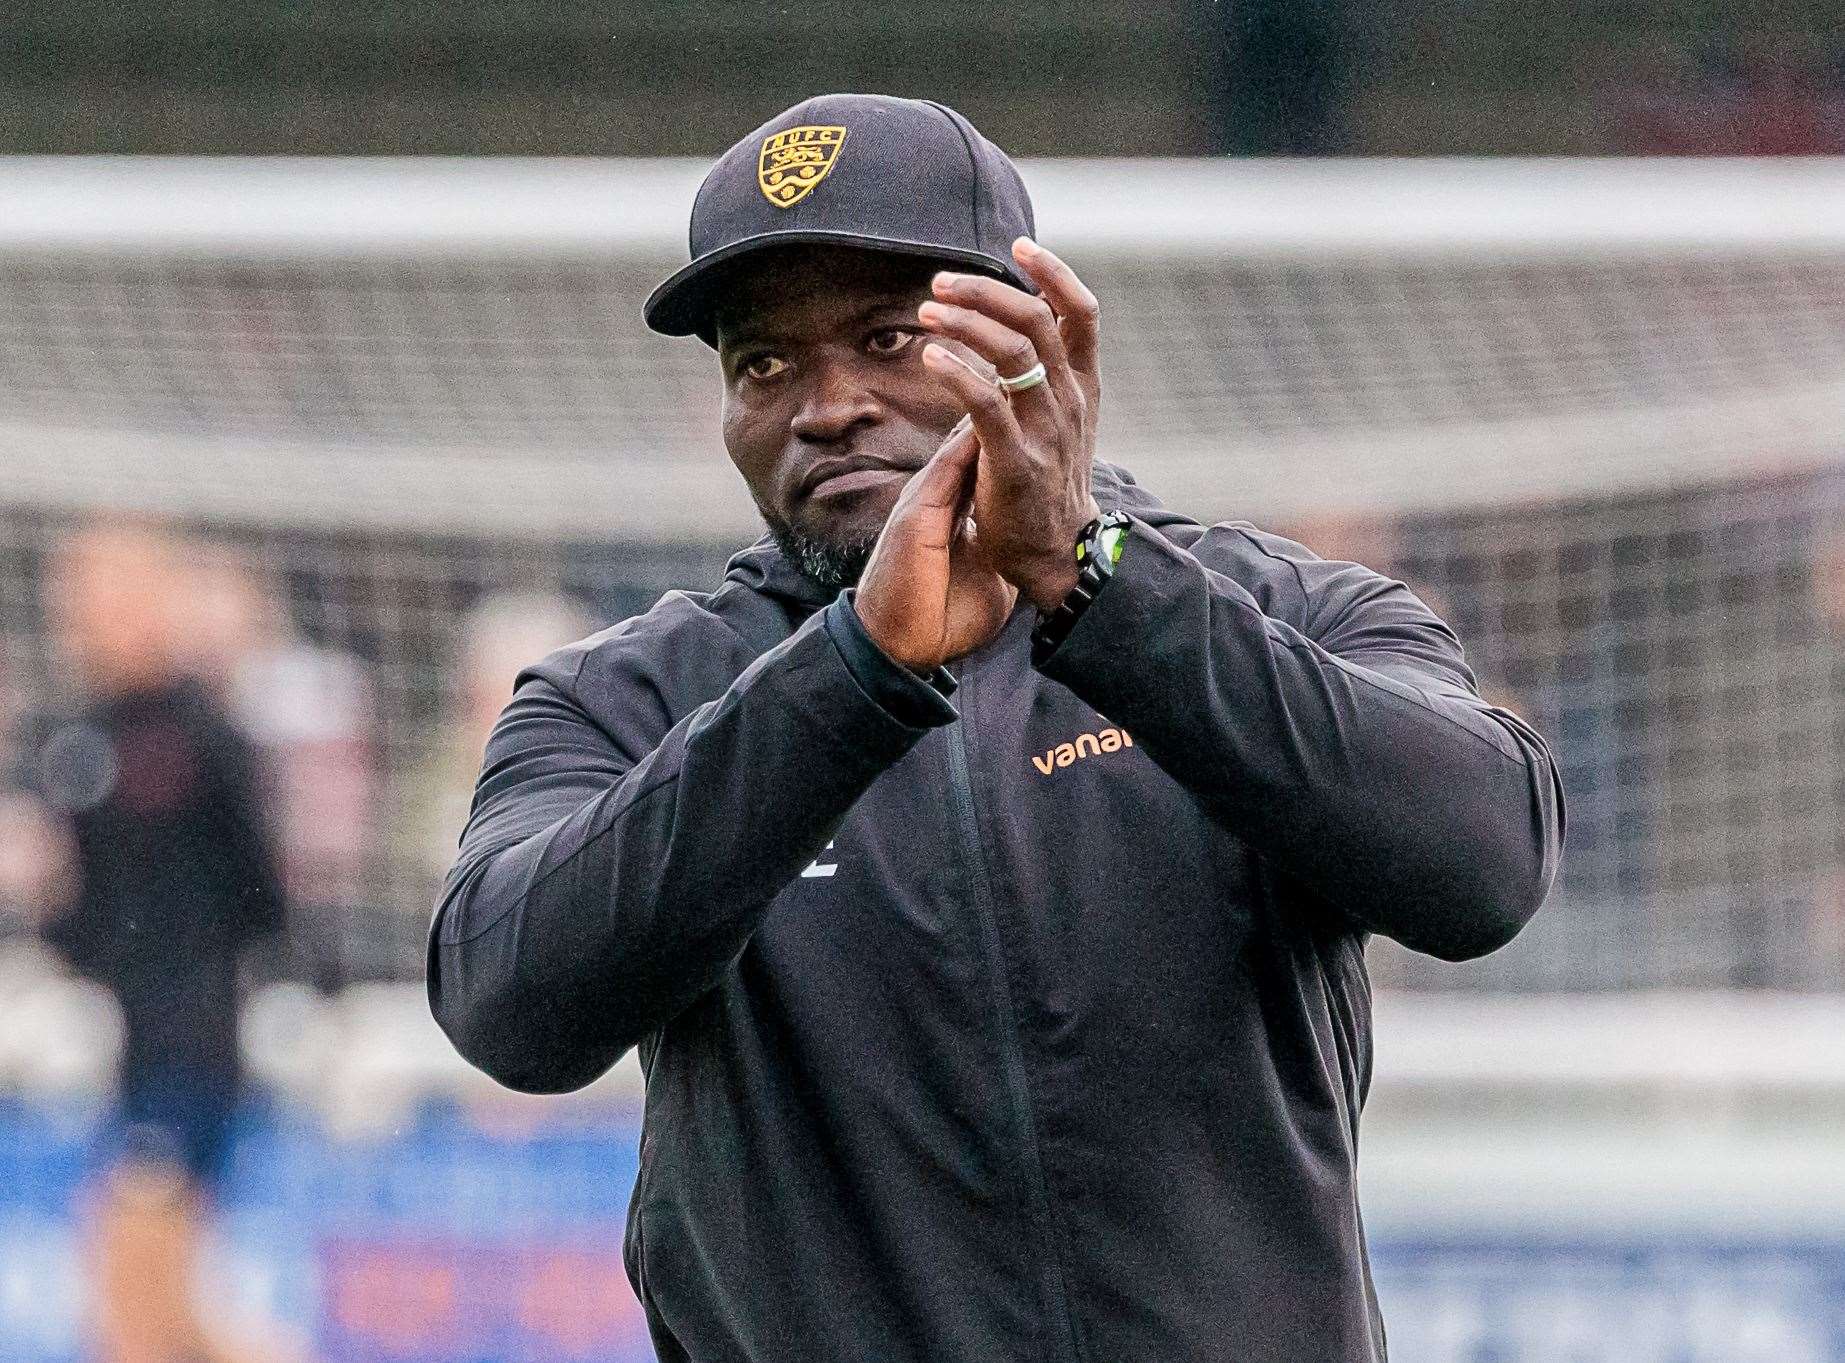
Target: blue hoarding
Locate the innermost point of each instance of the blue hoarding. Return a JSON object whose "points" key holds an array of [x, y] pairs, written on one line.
{"points": [[444, 1243]]}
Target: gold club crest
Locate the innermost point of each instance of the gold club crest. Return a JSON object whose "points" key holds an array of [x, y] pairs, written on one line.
{"points": [[795, 160]]}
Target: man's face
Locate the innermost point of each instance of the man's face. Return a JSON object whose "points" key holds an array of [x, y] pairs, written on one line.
{"points": [[828, 408]]}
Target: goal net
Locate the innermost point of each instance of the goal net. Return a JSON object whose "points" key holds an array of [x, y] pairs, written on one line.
{"points": [[410, 420]]}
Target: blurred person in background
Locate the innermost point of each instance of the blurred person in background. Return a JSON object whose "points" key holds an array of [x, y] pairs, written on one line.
{"points": [[169, 877], [310, 712], [498, 636]]}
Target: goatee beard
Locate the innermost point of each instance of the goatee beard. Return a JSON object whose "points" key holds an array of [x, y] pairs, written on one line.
{"points": [[833, 565]]}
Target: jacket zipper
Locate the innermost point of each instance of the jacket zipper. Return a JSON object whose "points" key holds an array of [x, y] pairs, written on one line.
{"points": [[1012, 1054]]}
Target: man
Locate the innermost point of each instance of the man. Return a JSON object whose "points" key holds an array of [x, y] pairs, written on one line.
{"points": [[989, 911], [165, 879]]}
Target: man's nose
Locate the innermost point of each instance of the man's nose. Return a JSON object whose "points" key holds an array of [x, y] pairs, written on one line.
{"points": [[836, 403]]}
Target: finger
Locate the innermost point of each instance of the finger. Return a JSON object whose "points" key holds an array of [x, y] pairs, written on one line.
{"points": [[994, 423], [930, 507], [1077, 311], [1009, 352], [937, 484], [1010, 307]]}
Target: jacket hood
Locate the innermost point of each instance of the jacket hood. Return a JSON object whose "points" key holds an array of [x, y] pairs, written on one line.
{"points": [[765, 569]]}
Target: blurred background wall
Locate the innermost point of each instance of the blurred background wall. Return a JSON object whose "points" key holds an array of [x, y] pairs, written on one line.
{"points": [[1160, 78], [1541, 310]]}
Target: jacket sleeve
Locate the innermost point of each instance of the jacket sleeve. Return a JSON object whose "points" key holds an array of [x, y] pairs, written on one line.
{"points": [[614, 865], [1325, 716]]}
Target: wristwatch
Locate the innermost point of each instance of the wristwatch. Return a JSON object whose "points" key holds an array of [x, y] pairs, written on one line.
{"points": [[1098, 549]]}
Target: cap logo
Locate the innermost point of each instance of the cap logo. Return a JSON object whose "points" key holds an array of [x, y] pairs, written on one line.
{"points": [[795, 160]]}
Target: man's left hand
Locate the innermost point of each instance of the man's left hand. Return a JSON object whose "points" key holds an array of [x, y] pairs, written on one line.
{"points": [[1031, 492]]}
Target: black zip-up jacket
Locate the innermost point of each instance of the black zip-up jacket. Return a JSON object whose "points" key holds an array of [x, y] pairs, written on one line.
{"points": [[1031, 1025]]}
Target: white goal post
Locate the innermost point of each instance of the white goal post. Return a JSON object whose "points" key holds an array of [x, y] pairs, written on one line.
{"points": [[399, 342]]}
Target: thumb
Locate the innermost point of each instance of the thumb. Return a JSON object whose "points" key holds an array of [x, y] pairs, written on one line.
{"points": [[933, 499], [939, 483]]}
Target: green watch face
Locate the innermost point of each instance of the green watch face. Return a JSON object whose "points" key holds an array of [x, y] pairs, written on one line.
{"points": [[1113, 539]]}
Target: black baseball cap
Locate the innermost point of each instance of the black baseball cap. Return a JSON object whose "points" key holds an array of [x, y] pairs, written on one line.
{"points": [[904, 175]]}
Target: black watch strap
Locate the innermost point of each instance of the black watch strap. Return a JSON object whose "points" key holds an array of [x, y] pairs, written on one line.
{"points": [[1097, 552]]}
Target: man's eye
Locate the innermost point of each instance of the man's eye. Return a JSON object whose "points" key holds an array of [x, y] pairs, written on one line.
{"points": [[764, 366], [889, 340]]}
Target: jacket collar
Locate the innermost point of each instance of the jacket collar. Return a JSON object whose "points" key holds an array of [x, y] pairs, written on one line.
{"points": [[764, 569]]}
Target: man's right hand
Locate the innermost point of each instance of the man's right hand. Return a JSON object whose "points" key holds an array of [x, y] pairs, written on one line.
{"points": [[924, 597]]}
